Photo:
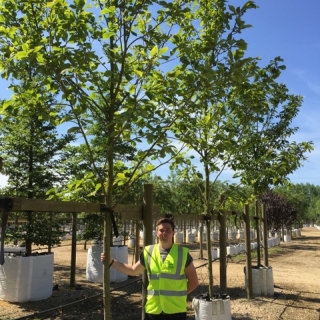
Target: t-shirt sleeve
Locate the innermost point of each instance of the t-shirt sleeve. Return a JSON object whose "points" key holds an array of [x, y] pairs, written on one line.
{"points": [[142, 259], [189, 259]]}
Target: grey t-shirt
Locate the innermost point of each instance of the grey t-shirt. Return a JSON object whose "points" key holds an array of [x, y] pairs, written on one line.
{"points": [[163, 254]]}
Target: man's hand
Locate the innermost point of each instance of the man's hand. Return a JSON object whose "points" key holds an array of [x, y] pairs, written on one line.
{"points": [[103, 258]]}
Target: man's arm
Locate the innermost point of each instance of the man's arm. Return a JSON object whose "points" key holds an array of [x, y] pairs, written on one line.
{"points": [[192, 277], [131, 270]]}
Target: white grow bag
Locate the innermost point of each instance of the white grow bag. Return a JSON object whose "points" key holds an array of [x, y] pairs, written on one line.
{"points": [[26, 278], [191, 238], [214, 309], [214, 253], [178, 237], [262, 281], [94, 269], [287, 238]]}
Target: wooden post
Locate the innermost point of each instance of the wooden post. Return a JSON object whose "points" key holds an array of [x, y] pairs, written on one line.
{"points": [[50, 233], [73, 250], [147, 235], [124, 232], [248, 252], [210, 272], [200, 239], [265, 237], [256, 217], [137, 243], [107, 237], [223, 249]]}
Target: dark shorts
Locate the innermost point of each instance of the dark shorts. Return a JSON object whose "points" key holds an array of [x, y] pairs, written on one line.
{"points": [[175, 316]]}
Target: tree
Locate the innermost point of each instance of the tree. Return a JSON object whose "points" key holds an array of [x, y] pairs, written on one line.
{"points": [[280, 212], [305, 197], [216, 64], [31, 148], [266, 156], [243, 115]]}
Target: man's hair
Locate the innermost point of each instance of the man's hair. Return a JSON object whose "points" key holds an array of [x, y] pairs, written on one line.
{"points": [[165, 220]]}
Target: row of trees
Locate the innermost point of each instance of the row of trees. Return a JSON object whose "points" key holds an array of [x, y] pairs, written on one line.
{"points": [[126, 80], [287, 207]]}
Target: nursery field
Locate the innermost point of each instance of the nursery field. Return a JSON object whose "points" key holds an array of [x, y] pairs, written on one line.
{"points": [[296, 275]]}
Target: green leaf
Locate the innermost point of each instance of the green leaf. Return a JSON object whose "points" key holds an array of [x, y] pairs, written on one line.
{"points": [[138, 73], [232, 8], [238, 54], [21, 55], [132, 89], [111, 9], [73, 129], [37, 49], [153, 51], [107, 35], [149, 167], [40, 58], [242, 45], [6, 104], [163, 50]]}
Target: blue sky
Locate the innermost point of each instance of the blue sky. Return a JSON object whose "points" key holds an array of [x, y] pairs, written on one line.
{"points": [[289, 29]]}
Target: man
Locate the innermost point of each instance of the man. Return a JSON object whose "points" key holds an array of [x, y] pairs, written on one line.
{"points": [[171, 275]]}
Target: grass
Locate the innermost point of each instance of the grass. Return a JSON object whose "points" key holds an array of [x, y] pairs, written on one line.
{"points": [[272, 252]]}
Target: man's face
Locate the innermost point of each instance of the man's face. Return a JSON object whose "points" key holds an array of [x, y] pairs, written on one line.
{"points": [[165, 232]]}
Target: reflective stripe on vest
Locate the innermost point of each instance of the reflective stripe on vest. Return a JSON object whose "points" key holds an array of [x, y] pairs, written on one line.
{"points": [[167, 293]]}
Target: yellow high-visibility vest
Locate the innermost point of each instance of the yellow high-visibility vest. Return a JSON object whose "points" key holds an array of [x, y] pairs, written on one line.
{"points": [[167, 289]]}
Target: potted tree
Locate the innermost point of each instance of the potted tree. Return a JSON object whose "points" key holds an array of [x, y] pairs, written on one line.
{"points": [[27, 274], [32, 148], [94, 269]]}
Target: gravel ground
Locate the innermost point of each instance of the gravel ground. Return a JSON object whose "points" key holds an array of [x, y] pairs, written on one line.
{"points": [[296, 296]]}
